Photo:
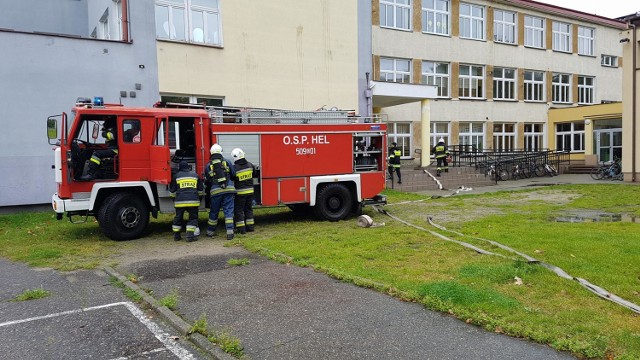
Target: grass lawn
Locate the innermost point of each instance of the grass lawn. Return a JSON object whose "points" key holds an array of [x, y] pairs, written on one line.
{"points": [[501, 294]]}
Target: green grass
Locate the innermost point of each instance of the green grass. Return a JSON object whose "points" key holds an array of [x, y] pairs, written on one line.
{"points": [[32, 294], [238, 262], [170, 300], [416, 265]]}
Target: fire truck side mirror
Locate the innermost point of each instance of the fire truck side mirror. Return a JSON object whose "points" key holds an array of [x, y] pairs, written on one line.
{"points": [[94, 133], [52, 128]]}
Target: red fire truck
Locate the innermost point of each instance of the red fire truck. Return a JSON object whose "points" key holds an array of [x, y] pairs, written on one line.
{"points": [[331, 162]]}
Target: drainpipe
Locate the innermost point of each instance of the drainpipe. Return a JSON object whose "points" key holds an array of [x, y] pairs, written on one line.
{"points": [[125, 20]]}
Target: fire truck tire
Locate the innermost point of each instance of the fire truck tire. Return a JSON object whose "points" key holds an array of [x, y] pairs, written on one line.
{"points": [[334, 202], [123, 216]]}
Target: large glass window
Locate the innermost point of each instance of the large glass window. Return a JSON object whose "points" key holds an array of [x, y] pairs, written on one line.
{"points": [[437, 74], [472, 133], [400, 133], [504, 26], [435, 16], [395, 70], [534, 85], [586, 86], [533, 137], [472, 21], [561, 37], [504, 83], [194, 21], [395, 14], [504, 137], [534, 32], [561, 88], [570, 137], [471, 82], [439, 130], [586, 38], [609, 60]]}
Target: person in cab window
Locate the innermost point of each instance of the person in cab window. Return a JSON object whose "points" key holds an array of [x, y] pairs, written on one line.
{"points": [[244, 192], [394, 161], [111, 141]]}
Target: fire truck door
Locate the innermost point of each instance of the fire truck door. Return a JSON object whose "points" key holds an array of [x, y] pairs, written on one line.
{"points": [[159, 154]]}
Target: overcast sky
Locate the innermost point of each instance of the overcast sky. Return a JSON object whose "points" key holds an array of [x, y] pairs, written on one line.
{"points": [[608, 8]]}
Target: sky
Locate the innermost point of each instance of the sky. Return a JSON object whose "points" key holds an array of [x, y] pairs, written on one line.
{"points": [[607, 8]]}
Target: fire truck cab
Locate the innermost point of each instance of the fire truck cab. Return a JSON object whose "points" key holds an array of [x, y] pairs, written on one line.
{"points": [[331, 162]]}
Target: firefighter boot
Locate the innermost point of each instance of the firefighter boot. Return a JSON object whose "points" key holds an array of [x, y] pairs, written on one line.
{"points": [[229, 236], [91, 172], [176, 236], [191, 237]]}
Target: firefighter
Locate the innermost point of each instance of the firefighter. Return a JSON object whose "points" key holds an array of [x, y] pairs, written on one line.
{"points": [[441, 152], [243, 181], [394, 161], [186, 188], [219, 175], [109, 134]]}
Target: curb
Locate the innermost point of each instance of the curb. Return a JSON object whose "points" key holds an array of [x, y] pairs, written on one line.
{"points": [[174, 320]]}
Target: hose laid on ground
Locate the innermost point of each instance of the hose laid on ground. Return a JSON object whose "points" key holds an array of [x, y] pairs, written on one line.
{"points": [[558, 271]]}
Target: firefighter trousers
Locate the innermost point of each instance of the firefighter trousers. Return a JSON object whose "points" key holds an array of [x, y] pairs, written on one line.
{"points": [[222, 201], [244, 213], [192, 223], [442, 164]]}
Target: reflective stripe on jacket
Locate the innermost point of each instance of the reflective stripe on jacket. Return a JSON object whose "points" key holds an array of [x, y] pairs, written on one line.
{"points": [[186, 188], [219, 174], [244, 177]]}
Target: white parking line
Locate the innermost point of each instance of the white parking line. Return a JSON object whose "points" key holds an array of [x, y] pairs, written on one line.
{"points": [[154, 351], [165, 338]]}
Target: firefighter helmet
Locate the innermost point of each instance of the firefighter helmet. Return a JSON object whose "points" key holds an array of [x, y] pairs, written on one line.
{"points": [[237, 154], [216, 149]]}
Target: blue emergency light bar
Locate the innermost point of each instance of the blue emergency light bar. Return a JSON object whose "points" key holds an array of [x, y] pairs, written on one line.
{"points": [[98, 101]]}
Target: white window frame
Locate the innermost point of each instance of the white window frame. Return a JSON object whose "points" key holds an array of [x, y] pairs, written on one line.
{"points": [[504, 31], [468, 83], [574, 136], [393, 74], [117, 19], [440, 130], [561, 88], [395, 14], [211, 21], [435, 20], [192, 99], [475, 24], [437, 78], [471, 133], [534, 90], [505, 87], [561, 37], [534, 136], [504, 139], [609, 60], [586, 40], [586, 91], [403, 139], [103, 26], [534, 36]]}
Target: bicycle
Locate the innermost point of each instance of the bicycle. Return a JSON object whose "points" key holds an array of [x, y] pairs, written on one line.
{"points": [[550, 170], [608, 170], [496, 172]]}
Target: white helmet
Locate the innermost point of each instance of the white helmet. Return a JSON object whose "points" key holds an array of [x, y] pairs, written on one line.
{"points": [[216, 149], [441, 140], [237, 154]]}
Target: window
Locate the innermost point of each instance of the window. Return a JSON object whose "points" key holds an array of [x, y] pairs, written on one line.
{"points": [[570, 137], [533, 137], [395, 14], [586, 38], [400, 132], [131, 131], [533, 85], [504, 83], [561, 37], [504, 137], [395, 70], [609, 60], [194, 21], [435, 16], [534, 32], [439, 130], [185, 99], [585, 89], [436, 73], [471, 21], [471, 133], [561, 88], [104, 26], [471, 82], [504, 27]]}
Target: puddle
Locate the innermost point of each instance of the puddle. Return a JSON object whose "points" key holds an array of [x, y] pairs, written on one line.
{"points": [[595, 216]]}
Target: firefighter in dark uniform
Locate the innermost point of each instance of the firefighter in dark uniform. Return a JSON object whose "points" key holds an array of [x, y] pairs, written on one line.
{"points": [[394, 161], [219, 175], [109, 134], [441, 152], [186, 188], [244, 192]]}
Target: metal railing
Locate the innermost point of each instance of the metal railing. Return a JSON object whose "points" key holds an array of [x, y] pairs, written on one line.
{"points": [[467, 155]]}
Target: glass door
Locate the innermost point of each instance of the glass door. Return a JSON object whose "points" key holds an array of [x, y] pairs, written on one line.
{"points": [[608, 144]]}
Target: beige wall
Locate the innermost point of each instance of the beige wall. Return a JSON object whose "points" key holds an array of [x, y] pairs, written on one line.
{"points": [[277, 54], [630, 159]]}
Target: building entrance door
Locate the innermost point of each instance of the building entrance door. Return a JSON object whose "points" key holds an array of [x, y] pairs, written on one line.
{"points": [[608, 144]]}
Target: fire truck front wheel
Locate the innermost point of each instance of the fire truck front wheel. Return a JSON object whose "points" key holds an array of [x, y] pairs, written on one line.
{"points": [[334, 202], [123, 216]]}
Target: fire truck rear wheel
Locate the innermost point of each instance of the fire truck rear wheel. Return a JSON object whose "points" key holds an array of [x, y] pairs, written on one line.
{"points": [[334, 202], [123, 216]]}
